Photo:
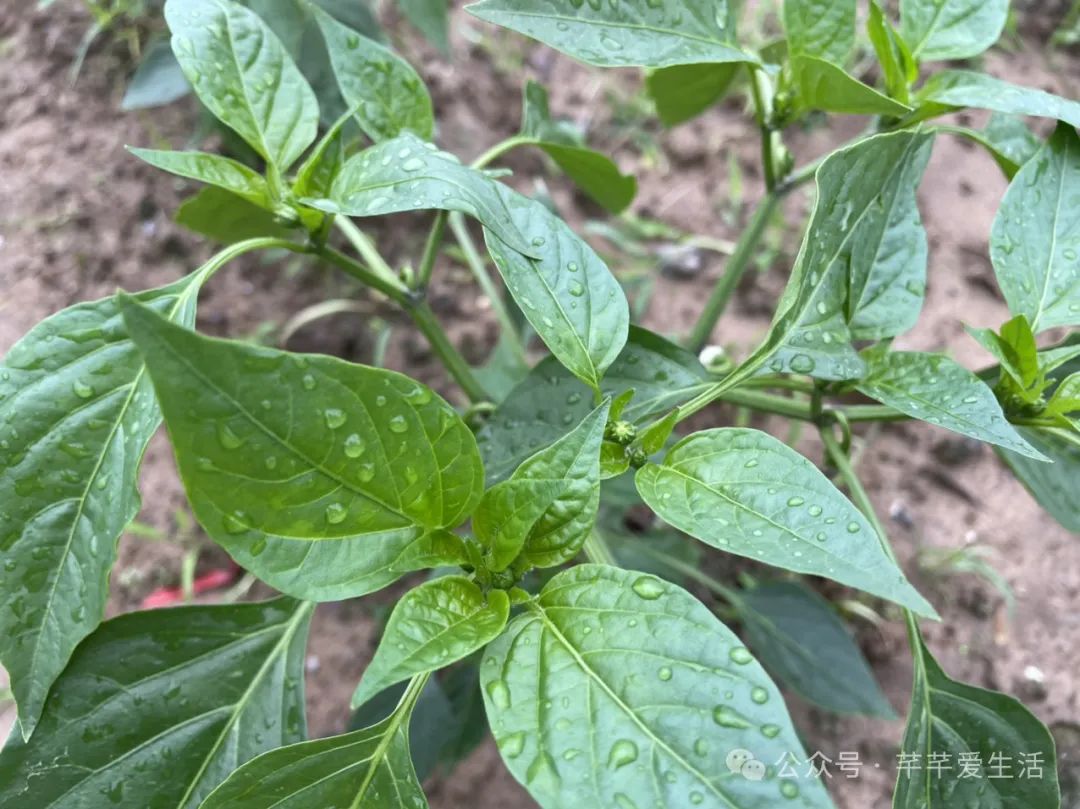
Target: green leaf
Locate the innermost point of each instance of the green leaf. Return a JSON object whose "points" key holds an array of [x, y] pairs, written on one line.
{"points": [[434, 625], [388, 96], [824, 86], [224, 217], [369, 768], [933, 388], [593, 172], [614, 688], [565, 290], [682, 92], [1006, 137], [1066, 399], [951, 29], [1035, 241], [542, 407], [156, 708], [158, 80], [407, 174], [434, 549], [951, 89], [564, 480], [953, 719], [821, 28], [861, 271], [897, 64], [216, 170], [313, 473], [77, 411], [431, 18], [800, 639], [1052, 484], [747, 493], [317, 173], [242, 73], [631, 33], [1016, 351]]}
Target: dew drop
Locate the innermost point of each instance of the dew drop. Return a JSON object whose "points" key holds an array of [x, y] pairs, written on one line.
{"points": [[802, 364], [701, 748], [664, 673], [235, 523], [623, 752], [740, 655], [334, 417], [499, 695], [577, 290], [789, 790], [354, 446], [729, 718], [512, 745], [227, 438], [538, 241], [336, 513], [413, 164], [814, 511], [853, 527], [398, 424], [308, 381], [759, 695], [795, 501], [81, 389], [770, 731], [696, 798], [366, 473], [648, 587]]}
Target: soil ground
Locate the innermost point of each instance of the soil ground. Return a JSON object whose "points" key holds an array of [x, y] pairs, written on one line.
{"points": [[81, 217]]}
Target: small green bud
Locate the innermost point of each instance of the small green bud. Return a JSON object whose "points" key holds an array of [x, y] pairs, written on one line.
{"points": [[638, 458], [621, 432]]}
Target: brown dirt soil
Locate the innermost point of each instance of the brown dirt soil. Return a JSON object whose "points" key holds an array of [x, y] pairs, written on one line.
{"points": [[81, 218]]}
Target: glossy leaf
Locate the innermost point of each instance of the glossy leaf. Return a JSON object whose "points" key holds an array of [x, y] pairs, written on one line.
{"points": [[801, 641], [242, 73], [77, 411], [435, 624], [156, 708], [951, 89], [898, 67], [747, 493], [1052, 484], [313, 473], [407, 174], [224, 217], [388, 96], [213, 169], [821, 28], [320, 168], [544, 406], [1006, 137], [951, 29], [593, 172], [432, 550], [955, 720], [615, 688], [861, 271], [157, 81], [368, 768], [631, 33], [682, 92], [933, 388], [431, 18], [824, 86], [1035, 241], [507, 513], [564, 289]]}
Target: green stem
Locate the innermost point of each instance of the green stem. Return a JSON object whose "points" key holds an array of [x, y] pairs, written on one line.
{"points": [[487, 285], [451, 358], [781, 382], [855, 488], [761, 92], [367, 250], [499, 149], [733, 272], [767, 403], [873, 413], [431, 250], [393, 290], [597, 550]]}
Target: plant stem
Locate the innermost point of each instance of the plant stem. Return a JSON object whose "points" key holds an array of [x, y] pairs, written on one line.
{"points": [[873, 413], [366, 248], [431, 250], [768, 403], [487, 286], [854, 486], [761, 92], [499, 149], [395, 290], [597, 550], [451, 358]]}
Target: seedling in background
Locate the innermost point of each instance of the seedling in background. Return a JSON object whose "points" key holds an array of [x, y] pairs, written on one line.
{"points": [[604, 683]]}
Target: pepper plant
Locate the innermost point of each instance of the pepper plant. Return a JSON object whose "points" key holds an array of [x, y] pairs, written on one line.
{"points": [[604, 682]]}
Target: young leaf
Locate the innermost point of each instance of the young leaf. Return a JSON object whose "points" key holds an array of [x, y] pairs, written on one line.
{"points": [[316, 174], [213, 169], [799, 638], [570, 468], [435, 624], [976, 731], [824, 86], [77, 410], [595, 173], [242, 73], [434, 549], [369, 768], [431, 18], [861, 271], [313, 473], [407, 174], [897, 64], [388, 96], [1006, 137], [224, 217], [933, 388], [631, 33], [201, 688], [158, 80], [1052, 484], [951, 29], [614, 688], [747, 493], [507, 513], [821, 28], [951, 89], [564, 289], [1035, 241], [542, 407], [682, 92]]}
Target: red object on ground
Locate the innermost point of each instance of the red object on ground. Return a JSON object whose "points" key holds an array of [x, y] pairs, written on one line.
{"points": [[212, 580]]}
